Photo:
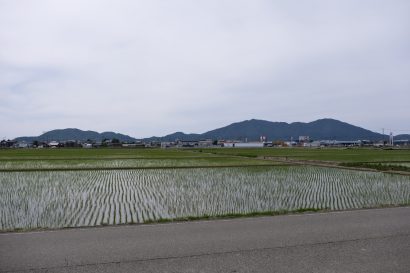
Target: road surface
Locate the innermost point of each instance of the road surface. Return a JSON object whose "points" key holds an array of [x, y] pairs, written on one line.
{"points": [[375, 240]]}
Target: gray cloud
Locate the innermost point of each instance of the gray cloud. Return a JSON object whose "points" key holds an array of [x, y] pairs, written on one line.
{"points": [[153, 67]]}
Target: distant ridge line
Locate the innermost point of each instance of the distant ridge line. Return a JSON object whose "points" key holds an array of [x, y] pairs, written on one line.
{"points": [[247, 130]]}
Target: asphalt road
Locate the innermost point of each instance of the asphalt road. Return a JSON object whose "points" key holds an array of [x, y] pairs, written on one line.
{"points": [[376, 240]]}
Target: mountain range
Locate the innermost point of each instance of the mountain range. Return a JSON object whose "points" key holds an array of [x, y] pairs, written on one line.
{"points": [[250, 130], [76, 134]]}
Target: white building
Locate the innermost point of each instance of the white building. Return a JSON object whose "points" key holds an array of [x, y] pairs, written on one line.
{"points": [[87, 145], [304, 138], [244, 144], [53, 144], [22, 145]]}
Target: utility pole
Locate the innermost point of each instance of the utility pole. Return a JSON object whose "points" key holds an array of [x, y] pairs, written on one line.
{"points": [[391, 139]]}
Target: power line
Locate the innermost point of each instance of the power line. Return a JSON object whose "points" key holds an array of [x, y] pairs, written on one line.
{"points": [[393, 130]]}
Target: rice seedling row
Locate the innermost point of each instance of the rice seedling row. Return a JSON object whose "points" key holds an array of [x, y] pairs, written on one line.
{"points": [[30, 200]]}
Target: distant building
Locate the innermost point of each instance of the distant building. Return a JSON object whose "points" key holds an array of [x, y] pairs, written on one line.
{"points": [[167, 144], [244, 144], [22, 144], [187, 143], [304, 139], [205, 143], [153, 144], [53, 144], [249, 145], [7, 143], [290, 143], [338, 143], [87, 145], [227, 143], [401, 142], [134, 145]]}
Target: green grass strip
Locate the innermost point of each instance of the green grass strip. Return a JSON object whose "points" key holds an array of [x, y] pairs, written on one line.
{"points": [[234, 215], [377, 166]]}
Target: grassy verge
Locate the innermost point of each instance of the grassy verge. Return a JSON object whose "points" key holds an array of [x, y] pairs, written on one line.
{"points": [[234, 215], [321, 154], [377, 166]]}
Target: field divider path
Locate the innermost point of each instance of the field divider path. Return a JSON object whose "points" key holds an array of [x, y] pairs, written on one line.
{"points": [[327, 164], [109, 158]]}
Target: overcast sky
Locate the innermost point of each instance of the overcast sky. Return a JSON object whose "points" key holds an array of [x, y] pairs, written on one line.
{"points": [[148, 68]]}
